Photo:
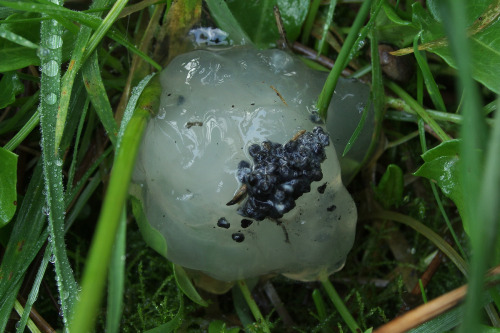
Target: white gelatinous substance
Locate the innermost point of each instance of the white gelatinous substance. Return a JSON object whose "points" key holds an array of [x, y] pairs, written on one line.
{"points": [[214, 105]]}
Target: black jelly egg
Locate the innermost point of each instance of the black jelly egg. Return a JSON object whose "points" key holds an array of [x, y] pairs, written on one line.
{"points": [[245, 223], [238, 237], [223, 223]]}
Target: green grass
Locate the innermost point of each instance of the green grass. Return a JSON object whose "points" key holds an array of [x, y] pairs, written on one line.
{"points": [[76, 96]]}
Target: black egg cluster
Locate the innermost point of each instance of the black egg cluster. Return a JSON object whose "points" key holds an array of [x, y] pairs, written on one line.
{"points": [[281, 173]]}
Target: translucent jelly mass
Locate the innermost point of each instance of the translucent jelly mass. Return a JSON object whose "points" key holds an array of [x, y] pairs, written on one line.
{"points": [[239, 116]]}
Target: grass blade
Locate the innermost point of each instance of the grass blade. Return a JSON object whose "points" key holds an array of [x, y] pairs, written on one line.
{"points": [[97, 93], [116, 280], [51, 58], [100, 252], [326, 94], [430, 83], [326, 25]]}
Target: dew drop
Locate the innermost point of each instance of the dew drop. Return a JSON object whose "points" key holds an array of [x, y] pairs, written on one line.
{"points": [[52, 258], [42, 52], [54, 42], [51, 98], [50, 68], [45, 210], [59, 162]]}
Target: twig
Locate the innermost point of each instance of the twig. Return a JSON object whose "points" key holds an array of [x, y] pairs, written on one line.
{"points": [[431, 309]]}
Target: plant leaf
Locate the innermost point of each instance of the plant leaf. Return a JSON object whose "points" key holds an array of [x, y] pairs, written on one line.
{"points": [[257, 19], [10, 86], [389, 191], [184, 283], [8, 180], [152, 236], [485, 44], [442, 165]]}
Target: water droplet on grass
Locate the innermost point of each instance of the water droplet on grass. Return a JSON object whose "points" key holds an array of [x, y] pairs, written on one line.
{"points": [[54, 42], [50, 68], [51, 98]]}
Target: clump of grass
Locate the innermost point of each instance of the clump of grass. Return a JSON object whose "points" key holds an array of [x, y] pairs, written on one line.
{"points": [[73, 120]]}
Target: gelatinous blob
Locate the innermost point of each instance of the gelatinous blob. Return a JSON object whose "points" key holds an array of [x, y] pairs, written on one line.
{"points": [[234, 115]]}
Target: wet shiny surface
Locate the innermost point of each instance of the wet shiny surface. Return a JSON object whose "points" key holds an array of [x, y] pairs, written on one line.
{"points": [[214, 106]]}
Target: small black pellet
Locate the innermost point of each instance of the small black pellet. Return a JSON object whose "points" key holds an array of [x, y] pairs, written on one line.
{"points": [[245, 223], [238, 237], [223, 223]]}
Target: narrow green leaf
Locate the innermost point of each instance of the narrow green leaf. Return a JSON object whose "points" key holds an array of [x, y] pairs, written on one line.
{"points": [[116, 280], [141, 104], [326, 94], [430, 83], [103, 28], [97, 93], [27, 237], [308, 24], [34, 292], [8, 182], [15, 38], [340, 306], [73, 68], [152, 236], [358, 129], [51, 60], [389, 191], [326, 25], [418, 109], [10, 86], [319, 303], [437, 240], [57, 12], [184, 283]]}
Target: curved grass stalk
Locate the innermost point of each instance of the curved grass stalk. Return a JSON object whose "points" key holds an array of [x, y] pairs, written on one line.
{"points": [[427, 233], [261, 321], [142, 103]]}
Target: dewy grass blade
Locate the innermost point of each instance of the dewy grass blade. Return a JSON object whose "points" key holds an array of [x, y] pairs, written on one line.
{"points": [[83, 18], [50, 86], [143, 102], [326, 25], [473, 132], [326, 94], [73, 68]]}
